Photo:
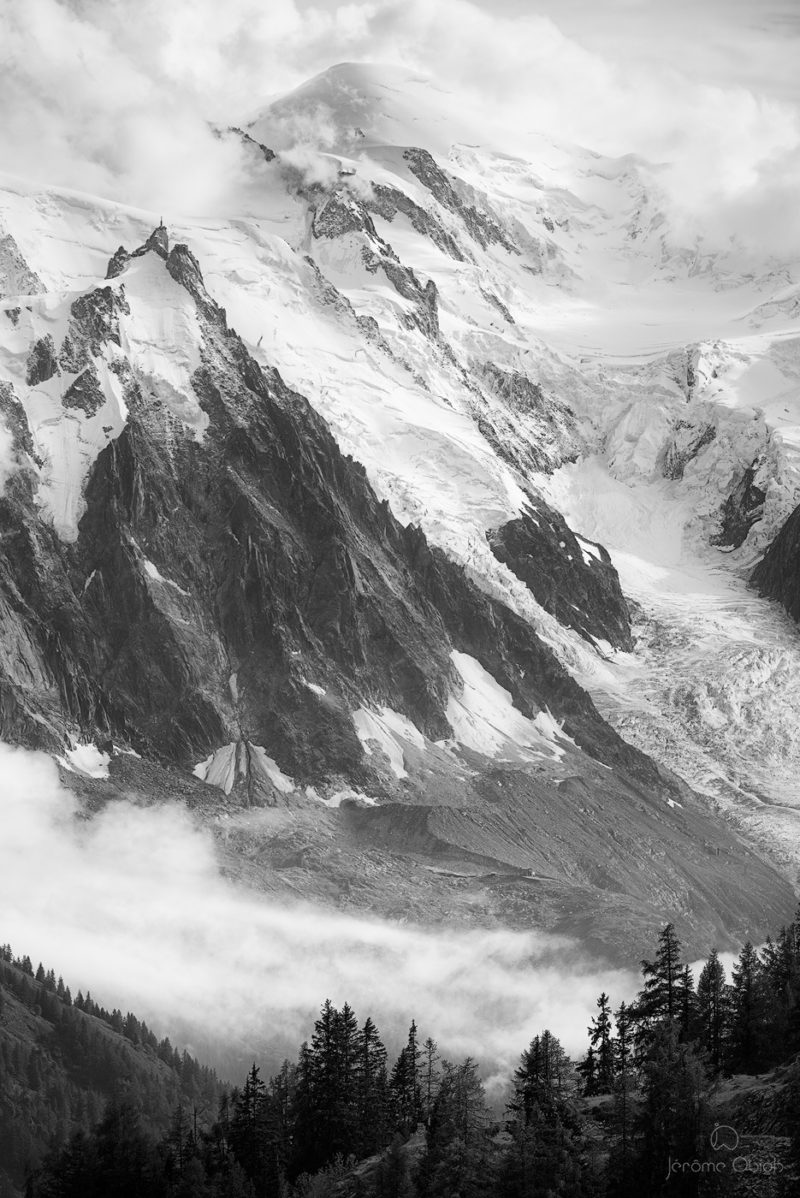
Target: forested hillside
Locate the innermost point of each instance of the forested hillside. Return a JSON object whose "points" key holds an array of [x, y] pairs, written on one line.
{"points": [[64, 1059], [693, 1088]]}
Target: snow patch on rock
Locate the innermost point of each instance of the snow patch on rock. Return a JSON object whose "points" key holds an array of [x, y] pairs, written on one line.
{"points": [[86, 759], [483, 718]]}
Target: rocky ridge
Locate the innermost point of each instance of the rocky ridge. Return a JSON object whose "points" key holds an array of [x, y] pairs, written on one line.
{"points": [[234, 600]]}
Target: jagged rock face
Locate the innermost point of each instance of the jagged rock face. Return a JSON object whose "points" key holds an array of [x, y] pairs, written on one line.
{"points": [[341, 214], [388, 201], [42, 364], [743, 508], [686, 443], [550, 429], [777, 575], [572, 579], [16, 277], [481, 226], [236, 602], [199, 561]]}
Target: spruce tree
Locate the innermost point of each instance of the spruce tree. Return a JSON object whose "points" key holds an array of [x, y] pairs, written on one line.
{"points": [[405, 1087], [587, 1068], [429, 1077], [546, 1150], [373, 1104], [600, 1039], [712, 1011], [660, 997], [748, 1028], [622, 1179], [457, 1146], [675, 1118]]}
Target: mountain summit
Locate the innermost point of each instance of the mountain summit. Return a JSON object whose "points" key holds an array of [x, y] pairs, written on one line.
{"points": [[413, 511]]}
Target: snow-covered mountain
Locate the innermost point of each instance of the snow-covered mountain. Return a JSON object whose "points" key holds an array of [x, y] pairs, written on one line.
{"points": [[404, 520]]}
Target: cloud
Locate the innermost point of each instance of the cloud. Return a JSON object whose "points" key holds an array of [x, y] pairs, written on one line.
{"points": [[131, 904], [117, 96]]}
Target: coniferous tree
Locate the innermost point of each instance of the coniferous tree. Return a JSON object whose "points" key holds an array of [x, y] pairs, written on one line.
{"points": [[601, 1040], [405, 1085], [456, 1156], [712, 1011], [587, 1068], [622, 1174], [327, 1091], [373, 1111], [429, 1077], [781, 965], [248, 1131], [545, 1154], [687, 1006], [659, 1000], [393, 1176], [675, 1120], [747, 1034]]}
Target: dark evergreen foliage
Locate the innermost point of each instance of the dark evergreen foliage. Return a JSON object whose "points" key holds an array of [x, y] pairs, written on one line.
{"points": [[339, 1123]]}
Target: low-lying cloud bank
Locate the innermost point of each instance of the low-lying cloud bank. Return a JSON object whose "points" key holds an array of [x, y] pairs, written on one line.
{"points": [[131, 904]]}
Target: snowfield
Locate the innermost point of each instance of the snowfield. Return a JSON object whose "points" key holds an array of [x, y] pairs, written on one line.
{"points": [[666, 373]]}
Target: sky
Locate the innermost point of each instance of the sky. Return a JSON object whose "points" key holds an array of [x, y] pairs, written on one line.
{"points": [[115, 96]]}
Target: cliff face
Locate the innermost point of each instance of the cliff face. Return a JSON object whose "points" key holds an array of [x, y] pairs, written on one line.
{"points": [[216, 590], [777, 575], [215, 574]]}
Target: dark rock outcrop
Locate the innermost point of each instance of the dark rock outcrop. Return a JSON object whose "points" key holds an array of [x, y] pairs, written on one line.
{"points": [[259, 547], [343, 213], [245, 591], [388, 201], [551, 434], [85, 392], [16, 277], [483, 227], [687, 441], [42, 363], [572, 579], [743, 508], [777, 575]]}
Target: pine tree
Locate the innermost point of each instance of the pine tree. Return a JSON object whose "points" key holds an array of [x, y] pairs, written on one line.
{"points": [[587, 1068], [430, 1076], [392, 1178], [712, 1010], [247, 1127], [545, 1154], [660, 997], [373, 1093], [326, 1109], [600, 1039], [455, 1160], [687, 1006], [675, 1118], [747, 1037], [405, 1087], [623, 1182]]}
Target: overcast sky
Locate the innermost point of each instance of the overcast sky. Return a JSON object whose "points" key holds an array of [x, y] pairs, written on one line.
{"points": [[114, 96]]}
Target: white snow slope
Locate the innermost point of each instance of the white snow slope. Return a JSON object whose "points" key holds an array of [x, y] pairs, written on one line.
{"points": [[549, 263]]}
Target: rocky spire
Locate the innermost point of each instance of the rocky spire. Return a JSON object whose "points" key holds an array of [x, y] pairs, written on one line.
{"points": [[159, 240]]}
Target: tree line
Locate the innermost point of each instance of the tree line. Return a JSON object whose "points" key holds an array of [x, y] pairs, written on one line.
{"points": [[632, 1117], [62, 1060]]}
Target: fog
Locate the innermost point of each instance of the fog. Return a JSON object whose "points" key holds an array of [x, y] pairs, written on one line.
{"points": [[121, 98], [131, 905]]}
